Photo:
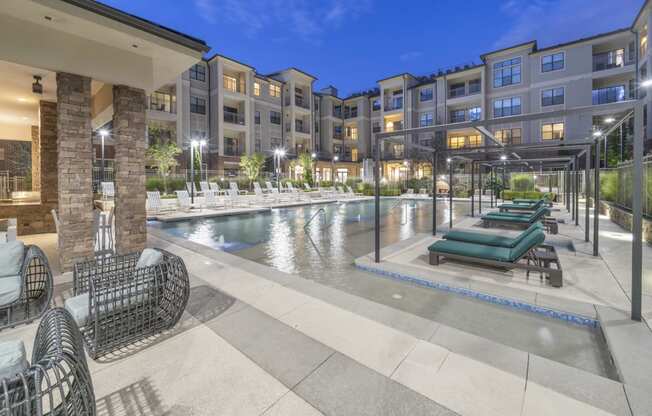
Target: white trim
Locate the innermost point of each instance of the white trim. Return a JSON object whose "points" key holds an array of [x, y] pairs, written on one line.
{"points": [[505, 97]]}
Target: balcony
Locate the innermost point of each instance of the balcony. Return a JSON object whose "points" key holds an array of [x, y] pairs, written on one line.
{"points": [[457, 91], [608, 95], [337, 136], [300, 102], [232, 84], [609, 60], [300, 128], [233, 147], [395, 103], [234, 118], [351, 114]]}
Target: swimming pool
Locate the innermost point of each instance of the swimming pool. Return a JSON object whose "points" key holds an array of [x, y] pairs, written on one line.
{"points": [[323, 250]]}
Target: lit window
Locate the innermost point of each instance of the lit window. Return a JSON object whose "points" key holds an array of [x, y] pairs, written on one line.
{"points": [[456, 142], [552, 131], [552, 62], [508, 136], [256, 89], [354, 155], [475, 113], [507, 72], [352, 133], [475, 140], [230, 83], [274, 90]]}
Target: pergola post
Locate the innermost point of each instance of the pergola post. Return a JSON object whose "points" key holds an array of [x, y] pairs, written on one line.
{"points": [[434, 193], [577, 191], [472, 189], [637, 214], [596, 198], [567, 187], [587, 192], [377, 202], [450, 194], [492, 180], [481, 188]]}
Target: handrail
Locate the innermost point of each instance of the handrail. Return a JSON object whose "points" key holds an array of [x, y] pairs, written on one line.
{"points": [[313, 217]]}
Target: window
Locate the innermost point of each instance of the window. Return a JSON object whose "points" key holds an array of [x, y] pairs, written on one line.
{"points": [[425, 94], [350, 112], [474, 86], [257, 117], [552, 96], [456, 142], [375, 104], [198, 72], [274, 117], [457, 90], [337, 132], [376, 126], [352, 133], [258, 145], [552, 62], [457, 116], [256, 89], [507, 72], [632, 89], [197, 105], [274, 90], [609, 95], [509, 136], [425, 120], [552, 131], [160, 101], [608, 60], [475, 140], [507, 107], [475, 113], [354, 155], [337, 111], [230, 83]]}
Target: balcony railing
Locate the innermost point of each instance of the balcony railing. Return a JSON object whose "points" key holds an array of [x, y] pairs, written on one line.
{"points": [[233, 84], [351, 114], [609, 60], [607, 95], [394, 104], [300, 102], [234, 118], [457, 92], [337, 136]]}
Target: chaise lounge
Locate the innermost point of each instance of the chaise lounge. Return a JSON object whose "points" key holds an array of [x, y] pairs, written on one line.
{"points": [[521, 206], [25, 283], [520, 221], [57, 382], [502, 252], [125, 299]]}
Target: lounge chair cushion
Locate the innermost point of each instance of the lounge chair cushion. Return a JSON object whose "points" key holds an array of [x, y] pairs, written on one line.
{"points": [[532, 240], [78, 308], [491, 239], [148, 258], [13, 359], [11, 258], [9, 289], [507, 218], [471, 250]]}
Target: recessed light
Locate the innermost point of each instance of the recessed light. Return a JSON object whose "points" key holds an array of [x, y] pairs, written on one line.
{"points": [[22, 100], [48, 18]]}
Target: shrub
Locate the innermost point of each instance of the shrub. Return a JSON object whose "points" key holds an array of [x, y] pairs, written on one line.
{"points": [[155, 183], [522, 182], [385, 190], [609, 185]]}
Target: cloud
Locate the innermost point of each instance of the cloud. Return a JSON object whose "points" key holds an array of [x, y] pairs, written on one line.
{"points": [[408, 56], [555, 21], [307, 19]]}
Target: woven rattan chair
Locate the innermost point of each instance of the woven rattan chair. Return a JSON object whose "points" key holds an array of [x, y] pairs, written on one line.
{"points": [[35, 290], [117, 303], [58, 381]]}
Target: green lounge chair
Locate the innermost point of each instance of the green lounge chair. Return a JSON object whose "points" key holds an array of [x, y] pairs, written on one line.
{"points": [[538, 257], [521, 221], [521, 206], [491, 239]]}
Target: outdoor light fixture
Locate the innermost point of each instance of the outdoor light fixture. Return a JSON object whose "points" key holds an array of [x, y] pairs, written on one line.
{"points": [[597, 133], [609, 120], [503, 157], [448, 160], [313, 155], [336, 158], [37, 87], [194, 143], [405, 163], [647, 83], [103, 133], [202, 142]]}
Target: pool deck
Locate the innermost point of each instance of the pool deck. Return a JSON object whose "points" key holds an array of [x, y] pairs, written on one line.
{"points": [[256, 341]]}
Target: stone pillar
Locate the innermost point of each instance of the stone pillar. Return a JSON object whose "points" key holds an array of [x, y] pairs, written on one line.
{"points": [[48, 158], [75, 155], [36, 160], [130, 144]]}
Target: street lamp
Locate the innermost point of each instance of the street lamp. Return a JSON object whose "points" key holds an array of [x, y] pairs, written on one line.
{"points": [[335, 159], [103, 133], [202, 143], [193, 144], [278, 154], [313, 156]]}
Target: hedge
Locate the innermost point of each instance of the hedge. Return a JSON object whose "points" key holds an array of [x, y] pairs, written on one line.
{"points": [[509, 195]]}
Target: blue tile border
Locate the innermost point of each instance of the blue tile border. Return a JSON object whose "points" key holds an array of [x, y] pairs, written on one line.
{"points": [[498, 300]]}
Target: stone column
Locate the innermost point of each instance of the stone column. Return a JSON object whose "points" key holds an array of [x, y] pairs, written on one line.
{"points": [[48, 158], [130, 144], [75, 155], [36, 160]]}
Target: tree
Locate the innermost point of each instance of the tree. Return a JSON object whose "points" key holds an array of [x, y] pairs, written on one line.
{"points": [[252, 166], [305, 161], [163, 156]]}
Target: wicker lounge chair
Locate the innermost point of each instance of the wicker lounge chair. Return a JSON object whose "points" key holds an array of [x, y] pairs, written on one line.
{"points": [[57, 382], [25, 283], [125, 299], [529, 253]]}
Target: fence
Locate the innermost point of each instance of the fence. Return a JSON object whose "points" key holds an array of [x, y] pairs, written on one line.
{"points": [[9, 184], [616, 186]]}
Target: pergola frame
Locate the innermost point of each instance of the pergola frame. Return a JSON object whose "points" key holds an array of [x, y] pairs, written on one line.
{"points": [[581, 147]]}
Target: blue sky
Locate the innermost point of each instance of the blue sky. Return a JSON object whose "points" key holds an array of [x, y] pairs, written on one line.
{"points": [[353, 43]]}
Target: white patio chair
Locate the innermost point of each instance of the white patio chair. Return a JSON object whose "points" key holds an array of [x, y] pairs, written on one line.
{"points": [[155, 205], [204, 187], [234, 187], [423, 192], [183, 201], [108, 190], [238, 200], [212, 201], [213, 186]]}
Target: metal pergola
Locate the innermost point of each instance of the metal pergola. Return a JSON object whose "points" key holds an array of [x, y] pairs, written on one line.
{"points": [[564, 157]]}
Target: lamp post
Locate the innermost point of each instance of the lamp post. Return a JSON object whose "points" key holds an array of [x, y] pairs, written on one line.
{"points": [[406, 165], [278, 154], [313, 157], [103, 134], [335, 159], [193, 144], [202, 143]]}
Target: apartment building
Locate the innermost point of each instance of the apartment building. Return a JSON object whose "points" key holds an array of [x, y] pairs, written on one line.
{"points": [[239, 111]]}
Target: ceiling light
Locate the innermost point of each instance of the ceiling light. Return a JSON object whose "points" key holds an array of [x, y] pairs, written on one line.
{"points": [[609, 120], [503, 157], [22, 99], [448, 159], [597, 133], [103, 133]]}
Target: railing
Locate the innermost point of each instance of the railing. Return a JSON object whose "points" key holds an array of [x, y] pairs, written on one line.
{"points": [[616, 186], [337, 136], [608, 95], [319, 211], [351, 114], [299, 101], [162, 107], [234, 118], [609, 60], [395, 104], [302, 129], [456, 92], [109, 173]]}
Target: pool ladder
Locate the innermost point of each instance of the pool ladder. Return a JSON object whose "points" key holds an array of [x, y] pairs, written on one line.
{"points": [[398, 203], [320, 210]]}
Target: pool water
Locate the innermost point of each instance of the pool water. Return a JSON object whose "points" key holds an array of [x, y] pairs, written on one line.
{"points": [[320, 242]]}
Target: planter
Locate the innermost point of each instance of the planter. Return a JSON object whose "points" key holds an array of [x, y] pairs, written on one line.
{"points": [[623, 218]]}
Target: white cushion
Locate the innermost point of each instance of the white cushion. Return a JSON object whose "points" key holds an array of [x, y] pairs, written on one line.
{"points": [[13, 359], [11, 258], [78, 307], [149, 257], [9, 289]]}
